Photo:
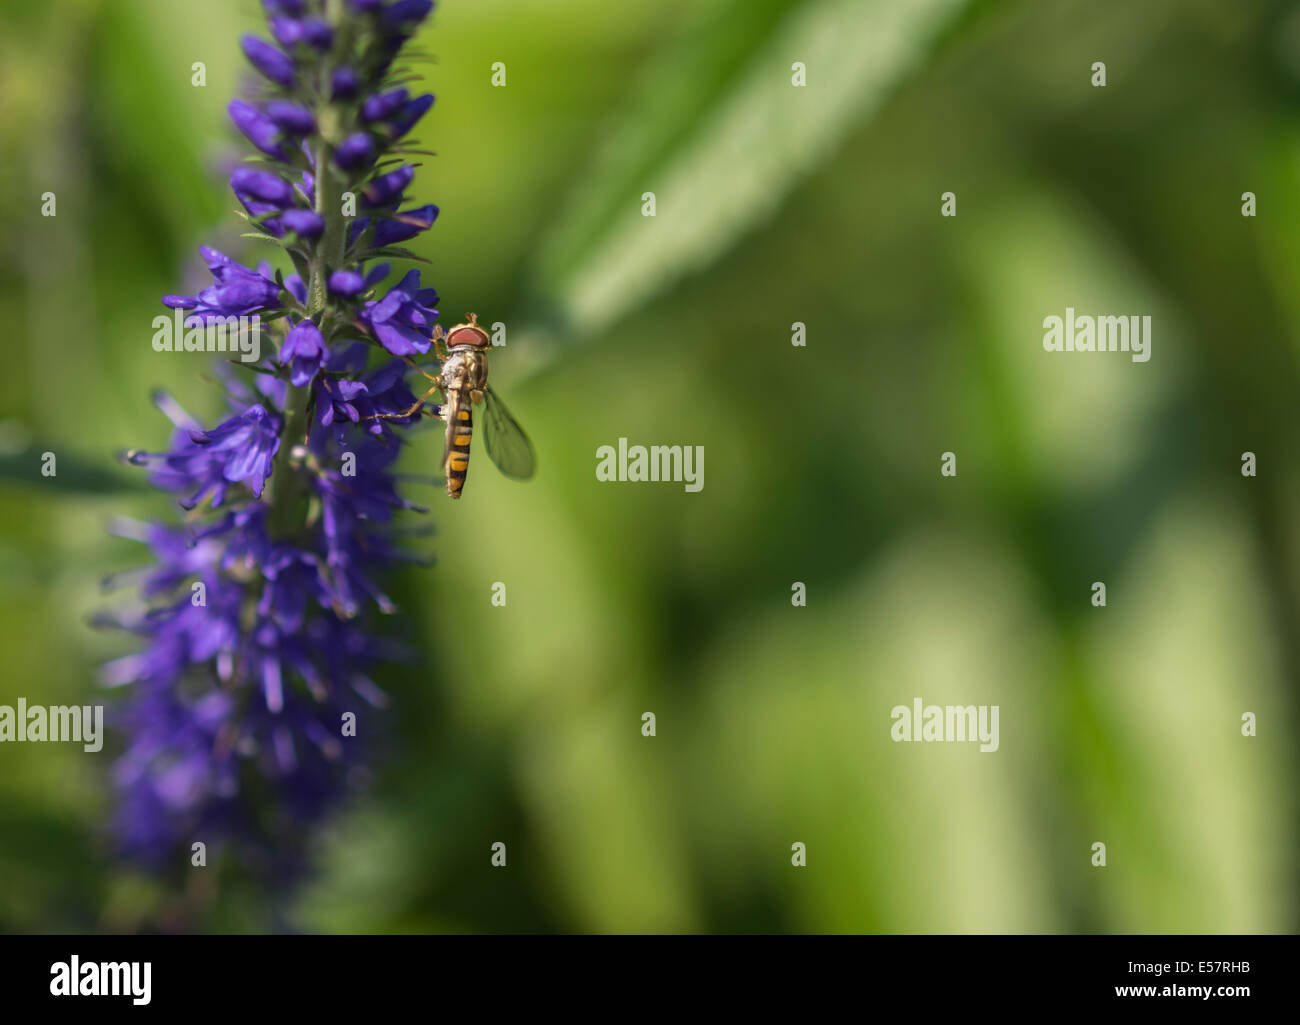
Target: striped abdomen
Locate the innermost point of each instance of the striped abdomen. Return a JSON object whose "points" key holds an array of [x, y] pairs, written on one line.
{"points": [[460, 428]]}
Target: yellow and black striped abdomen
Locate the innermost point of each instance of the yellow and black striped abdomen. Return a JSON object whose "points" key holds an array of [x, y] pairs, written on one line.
{"points": [[460, 429]]}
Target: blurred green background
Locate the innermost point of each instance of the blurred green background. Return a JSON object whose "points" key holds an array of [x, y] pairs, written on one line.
{"points": [[775, 205]]}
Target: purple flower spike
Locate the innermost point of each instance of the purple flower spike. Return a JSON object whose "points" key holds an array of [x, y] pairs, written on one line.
{"points": [[231, 707]]}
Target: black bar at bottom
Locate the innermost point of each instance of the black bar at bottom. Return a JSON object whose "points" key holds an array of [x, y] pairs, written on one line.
{"points": [[614, 974]]}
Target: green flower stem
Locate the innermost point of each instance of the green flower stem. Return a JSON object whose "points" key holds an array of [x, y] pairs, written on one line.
{"points": [[289, 506]]}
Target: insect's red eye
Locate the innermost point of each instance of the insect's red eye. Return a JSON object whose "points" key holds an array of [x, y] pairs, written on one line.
{"points": [[466, 335]]}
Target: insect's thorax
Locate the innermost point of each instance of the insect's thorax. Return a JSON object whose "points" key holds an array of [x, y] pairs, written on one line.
{"points": [[466, 369]]}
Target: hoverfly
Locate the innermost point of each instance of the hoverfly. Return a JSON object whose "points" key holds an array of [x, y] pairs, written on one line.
{"points": [[463, 381]]}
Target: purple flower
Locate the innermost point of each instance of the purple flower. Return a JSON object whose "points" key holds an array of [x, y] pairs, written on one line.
{"points": [[402, 12], [344, 84], [355, 151], [406, 225], [205, 463], [259, 129], [317, 33], [388, 231], [302, 351], [402, 321], [270, 188], [387, 189], [347, 283], [289, 32], [410, 113], [274, 64], [383, 105], [377, 402], [306, 223], [243, 447], [292, 118], [236, 291]]}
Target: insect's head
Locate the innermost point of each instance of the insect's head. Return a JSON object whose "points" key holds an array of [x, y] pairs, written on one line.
{"points": [[469, 333]]}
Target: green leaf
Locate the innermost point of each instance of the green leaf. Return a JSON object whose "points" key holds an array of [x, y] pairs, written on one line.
{"points": [[301, 265], [254, 367], [73, 472], [393, 253], [721, 152]]}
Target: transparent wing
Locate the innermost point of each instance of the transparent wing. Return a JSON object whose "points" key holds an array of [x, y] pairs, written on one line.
{"points": [[506, 441]]}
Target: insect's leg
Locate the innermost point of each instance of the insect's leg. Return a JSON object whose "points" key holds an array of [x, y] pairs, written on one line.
{"points": [[423, 398], [418, 403], [439, 349], [428, 376]]}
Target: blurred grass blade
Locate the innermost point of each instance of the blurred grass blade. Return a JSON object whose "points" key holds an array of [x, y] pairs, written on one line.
{"points": [[721, 155], [21, 462]]}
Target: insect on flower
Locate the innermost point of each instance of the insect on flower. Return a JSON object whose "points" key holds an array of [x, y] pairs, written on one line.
{"points": [[462, 379]]}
